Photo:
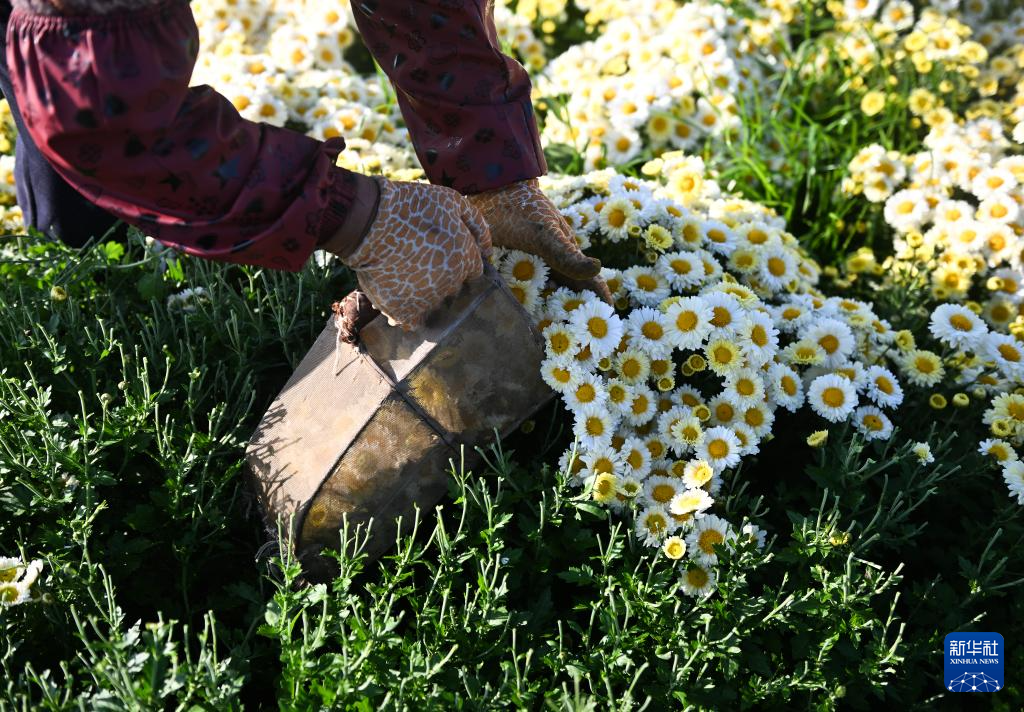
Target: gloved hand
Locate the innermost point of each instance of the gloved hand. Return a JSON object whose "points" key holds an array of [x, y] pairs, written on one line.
{"points": [[423, 242], [521, 217]]}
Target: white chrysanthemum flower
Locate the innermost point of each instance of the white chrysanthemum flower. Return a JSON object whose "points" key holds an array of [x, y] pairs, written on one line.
{"points": [[883, 387], [653, 524], [898, 14], [689, 322], [16, 580], [956, 326], [720, 449], [990, 181], [636, 457], [685, 434], [683, 270], [563, 303], [778, 268], [872, 423], [708, 532], [588, 390], [690, 501], [907, 210], [1000, 208], [786, 387], [719, 237], [698, 581], [560, 341], [602, 458], [760, 338], [951, 214], [1007, 353], [620, 395], [759, 418], [726, 312], [632, 366], [792, 316], [517, 265], [660, 490], [642, 407], [594, 426], [616, 217], [697, 473], [1018, 132], [923, 452], [560, 374], [923, 368], [860, 9], [649, 332], [597, 326], [832, 397], [750, 443], [646, 286], [834, 337], [527, 294], [744, 387], [723, 356], [1013, 475], [998, 449]]}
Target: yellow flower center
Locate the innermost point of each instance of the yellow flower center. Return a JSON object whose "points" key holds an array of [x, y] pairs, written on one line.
{"points": [[697, 578], [559, 342], [647, 283], [718, 449], [960, 322], [833, 397], [829, 342], [722, 317], [686, 321], [872, 422], [759, 336], [708, 539], [663, 493], [788, 385], [652, 330], [1009, 353], [586, 393], [597, 327], [524, 270]]}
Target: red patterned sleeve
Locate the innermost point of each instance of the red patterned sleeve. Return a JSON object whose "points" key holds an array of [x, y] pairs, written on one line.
{"points": [[106, 99], [467, 105]]}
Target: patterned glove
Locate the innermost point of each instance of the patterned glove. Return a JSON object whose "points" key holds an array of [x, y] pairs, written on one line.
{"points": [[521, 217], [425, 241]]}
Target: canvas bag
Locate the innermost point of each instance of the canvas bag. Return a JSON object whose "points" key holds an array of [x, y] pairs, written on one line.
{"points": [[369, 421]]}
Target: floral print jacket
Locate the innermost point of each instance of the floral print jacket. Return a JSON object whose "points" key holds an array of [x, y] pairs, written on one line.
{"points": [[103, 86]]}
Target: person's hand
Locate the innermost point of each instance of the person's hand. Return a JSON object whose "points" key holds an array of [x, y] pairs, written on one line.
{"points": [[521, 217], [423, 242]]}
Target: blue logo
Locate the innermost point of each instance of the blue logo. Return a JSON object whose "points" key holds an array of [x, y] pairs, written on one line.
{"points": [[974, 662]]}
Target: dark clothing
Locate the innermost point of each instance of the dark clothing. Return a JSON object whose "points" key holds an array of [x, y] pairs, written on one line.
{"points": [[47, 202]]}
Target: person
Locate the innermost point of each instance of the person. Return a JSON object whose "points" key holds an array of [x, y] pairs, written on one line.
{"points": [[100, 93]]}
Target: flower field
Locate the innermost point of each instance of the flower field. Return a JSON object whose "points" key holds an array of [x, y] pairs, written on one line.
{"points": [[781, 467]]}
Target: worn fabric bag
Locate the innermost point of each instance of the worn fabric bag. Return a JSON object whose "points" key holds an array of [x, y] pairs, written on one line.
{"points": [[370, 420]]}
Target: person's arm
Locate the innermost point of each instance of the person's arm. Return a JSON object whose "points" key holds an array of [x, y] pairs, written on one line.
{"points": [[106, 99], [471, 119], [467, 105]]}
